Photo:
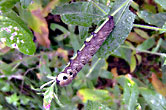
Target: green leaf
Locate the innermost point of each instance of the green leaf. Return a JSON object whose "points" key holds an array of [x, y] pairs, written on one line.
{"points": [[44, 67], [154, 19], [158, 45], [147, 44], [15, 34], [75, 19], [161, 3], [123, 53], [74, 42], [48, 96], [133, 63], [155, 100], [25, 3], [61, 28], [6, 69], [130, 93], [94, 95], [141, 33], [13, 99], [116, 38], [96, 68], [91, 105], [83, 32], [163, 68], [163, 27], [81, 13], [6, 5]]}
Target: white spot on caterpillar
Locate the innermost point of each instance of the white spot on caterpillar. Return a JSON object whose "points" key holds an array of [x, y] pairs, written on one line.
{"points": [[61, 76], [89, 38], [68, 64], [82, 47], [69, 70], [74, 56], [75, 65]]}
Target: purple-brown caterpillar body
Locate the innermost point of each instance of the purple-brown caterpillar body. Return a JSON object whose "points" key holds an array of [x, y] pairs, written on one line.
{"points": [[90, 47]]}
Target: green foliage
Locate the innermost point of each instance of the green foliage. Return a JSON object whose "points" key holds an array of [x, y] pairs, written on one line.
{"points": [[13, 33], [147, 44], [161, 2], [7, 4], [118, 77], [101, 96], [124, 21], [90, 105], [155, 19], [155, 100], [130, 94], [81, 13]]}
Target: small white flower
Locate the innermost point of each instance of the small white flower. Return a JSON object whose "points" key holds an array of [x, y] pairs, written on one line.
{"points": [[129, 84], [16, 29], [3, 40], [32, 2], [10, 27], [18, 41], [14, 34], [0, 12], [22, 41], [12, 37], [2, 29], [7, 30], [14, 46], [20, 34]]}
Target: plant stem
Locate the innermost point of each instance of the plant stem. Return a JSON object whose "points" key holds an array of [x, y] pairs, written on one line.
{"points": [[126, 2], [149, 27], [90, 71], [99, 8], [144, 51]]}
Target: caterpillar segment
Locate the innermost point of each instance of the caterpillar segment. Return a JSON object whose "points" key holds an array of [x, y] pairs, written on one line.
{"points": [[82, 57]]}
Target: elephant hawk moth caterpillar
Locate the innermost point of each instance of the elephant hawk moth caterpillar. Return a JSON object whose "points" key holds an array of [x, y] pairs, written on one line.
{"points": [[85, 53]]}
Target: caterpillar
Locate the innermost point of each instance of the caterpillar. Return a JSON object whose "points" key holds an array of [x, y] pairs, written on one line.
{"points": [[83, 55]]}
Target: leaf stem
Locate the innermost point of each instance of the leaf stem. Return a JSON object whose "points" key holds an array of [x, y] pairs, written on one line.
{"points": [[99, 8], [144, 51], [149, 27], [127, 1], [90, 71], [52, 81]]}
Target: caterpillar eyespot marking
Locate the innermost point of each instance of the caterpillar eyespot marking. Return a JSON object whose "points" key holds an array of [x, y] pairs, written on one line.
{"points": [[83, 55], [71, 73], [64, 78]]}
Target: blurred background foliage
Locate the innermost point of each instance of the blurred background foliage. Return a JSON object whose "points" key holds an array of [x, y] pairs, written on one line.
{"points": [[39, 36]]}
